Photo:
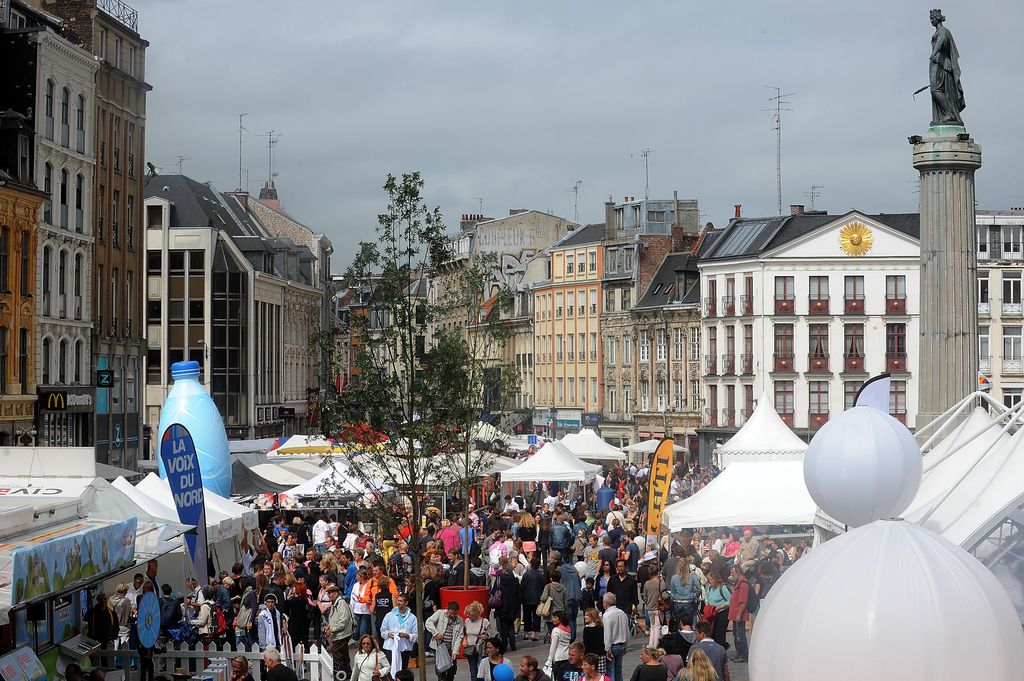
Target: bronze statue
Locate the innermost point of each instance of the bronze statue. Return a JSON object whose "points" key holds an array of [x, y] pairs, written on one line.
{"points": [[944, 75]]}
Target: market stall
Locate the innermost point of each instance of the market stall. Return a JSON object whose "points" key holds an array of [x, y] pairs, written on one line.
{"points": [[588, 445], [765, 437], [552, 462], [747, 493]]}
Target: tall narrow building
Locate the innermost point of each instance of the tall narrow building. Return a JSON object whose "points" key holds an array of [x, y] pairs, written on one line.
{"points": [[109, 32]]}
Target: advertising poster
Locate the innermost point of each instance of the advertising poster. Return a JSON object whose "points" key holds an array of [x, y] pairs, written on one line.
{"points": [[65, 619], [57, 558], [178, 455], [661, 476]]}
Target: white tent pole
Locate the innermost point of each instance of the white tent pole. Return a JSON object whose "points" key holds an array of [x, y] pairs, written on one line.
{"points": [[945, 420]]}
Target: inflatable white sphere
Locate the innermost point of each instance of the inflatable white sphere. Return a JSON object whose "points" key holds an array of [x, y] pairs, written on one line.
{"points": [[863, 465], [888, 600]]}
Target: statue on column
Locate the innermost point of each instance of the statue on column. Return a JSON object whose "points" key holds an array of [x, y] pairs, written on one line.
{"points": [[944, 75]]}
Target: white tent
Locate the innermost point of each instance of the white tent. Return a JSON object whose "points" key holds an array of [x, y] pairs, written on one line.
{"points": [[970, 429], [747, 493], [554, 462], [588, 445], [224, 518], [649, 447], [764, 437], [308, 444], [337, 480]]}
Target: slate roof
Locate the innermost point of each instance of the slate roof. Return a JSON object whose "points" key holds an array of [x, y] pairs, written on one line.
{"points": [[662, 289], [589, 234], [749, 237], [194, 204]]}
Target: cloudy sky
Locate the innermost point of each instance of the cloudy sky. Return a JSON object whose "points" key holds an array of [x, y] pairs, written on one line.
{"points": [[512, 102]]}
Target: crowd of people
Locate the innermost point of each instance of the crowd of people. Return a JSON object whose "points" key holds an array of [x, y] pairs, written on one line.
{"points": [[585, 581]]}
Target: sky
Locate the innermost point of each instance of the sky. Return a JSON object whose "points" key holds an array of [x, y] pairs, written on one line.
{"points": [[507, 104]]}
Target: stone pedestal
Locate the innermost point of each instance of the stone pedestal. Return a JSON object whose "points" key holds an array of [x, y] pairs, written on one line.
{"points": [[947, 157]]}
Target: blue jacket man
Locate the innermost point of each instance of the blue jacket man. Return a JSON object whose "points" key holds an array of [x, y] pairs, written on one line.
{"points": [[573, 593]]}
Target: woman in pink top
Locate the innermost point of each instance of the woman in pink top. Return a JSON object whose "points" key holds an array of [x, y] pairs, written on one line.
{"points": [[449, 534], [732, 547]]}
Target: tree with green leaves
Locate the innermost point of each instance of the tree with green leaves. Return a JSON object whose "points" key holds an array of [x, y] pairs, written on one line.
{"points": [[421, 387]]}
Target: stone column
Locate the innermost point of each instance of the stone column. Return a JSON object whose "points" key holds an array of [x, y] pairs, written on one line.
{"points": [[947, 158]]}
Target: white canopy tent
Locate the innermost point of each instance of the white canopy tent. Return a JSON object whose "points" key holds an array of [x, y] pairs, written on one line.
{"points": [[589, 446], [747, 493], [649, 447], [336, 480], [553, 462], [224, 518], [765, 437]]}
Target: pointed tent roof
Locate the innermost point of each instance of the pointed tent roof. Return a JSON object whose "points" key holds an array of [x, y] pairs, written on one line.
{"points": [[553, 461], [961, 436], [764, 437], [747, 493], [588, 445]]}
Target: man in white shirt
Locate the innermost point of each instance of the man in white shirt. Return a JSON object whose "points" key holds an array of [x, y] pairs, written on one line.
{"points": [[614, 514], [320, 530], [616, 634], [510, 505]]}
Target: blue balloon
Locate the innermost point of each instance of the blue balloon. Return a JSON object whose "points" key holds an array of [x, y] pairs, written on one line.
{"points": [[503, 672]]}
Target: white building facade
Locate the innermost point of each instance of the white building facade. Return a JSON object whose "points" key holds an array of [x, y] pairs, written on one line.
{"points": [[65, 170], [804, 308], [1000, 304]]}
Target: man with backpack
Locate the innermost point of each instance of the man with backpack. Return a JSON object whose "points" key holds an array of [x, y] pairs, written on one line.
{"points": [[739, 611]]}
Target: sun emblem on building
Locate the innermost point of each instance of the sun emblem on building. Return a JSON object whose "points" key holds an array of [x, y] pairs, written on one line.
{"points": [[855, 239]]}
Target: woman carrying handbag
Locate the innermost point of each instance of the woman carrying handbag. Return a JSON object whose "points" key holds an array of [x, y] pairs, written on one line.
{"points": [[370, 664], [477, 628]]}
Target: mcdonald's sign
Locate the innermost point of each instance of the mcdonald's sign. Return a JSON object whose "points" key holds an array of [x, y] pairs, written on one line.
{"points": [[55, 401]]}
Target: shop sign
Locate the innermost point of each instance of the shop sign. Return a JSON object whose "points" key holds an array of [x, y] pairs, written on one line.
{"points": [[62, 400], [43, 488], [57, 558]]}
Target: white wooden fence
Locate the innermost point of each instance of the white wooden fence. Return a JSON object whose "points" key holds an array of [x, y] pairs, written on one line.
{"points": [[316, 664]]}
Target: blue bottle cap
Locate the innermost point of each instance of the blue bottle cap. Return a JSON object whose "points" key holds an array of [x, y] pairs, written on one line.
{"points": [[188, 369]]}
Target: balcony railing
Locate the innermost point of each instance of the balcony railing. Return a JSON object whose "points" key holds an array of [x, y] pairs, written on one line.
{"points": [[747, 364], [745, 413], [1012, 366], [853, 362], [985, 365], [746, 305], [896, 361], [817, 362], [120, 12], [1011, 309], [783, 362], [709, 307], [784, 305], [710, 416], [895, 305], [854, 304], [710, 367], [728, 364], [729, 305], [819, 305], [729, 417]]}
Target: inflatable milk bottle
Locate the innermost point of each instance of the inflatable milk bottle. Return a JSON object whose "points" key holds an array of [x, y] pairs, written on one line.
{"points": [[190, 405]]}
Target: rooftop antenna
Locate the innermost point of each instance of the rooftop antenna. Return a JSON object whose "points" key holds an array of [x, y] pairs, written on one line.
{"points": [[647, 174], [241, 129], [480, 201], [181, 161], [270, 153], [814, 193], [780, 106], [575, 189]]}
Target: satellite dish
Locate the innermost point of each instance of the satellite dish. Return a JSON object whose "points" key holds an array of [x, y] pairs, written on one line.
{"points": [[148, 620]]}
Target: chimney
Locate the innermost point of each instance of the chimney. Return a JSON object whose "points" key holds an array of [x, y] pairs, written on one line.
{"points": [[268, 196], [796, 209], [739, 210], [609, 219]]}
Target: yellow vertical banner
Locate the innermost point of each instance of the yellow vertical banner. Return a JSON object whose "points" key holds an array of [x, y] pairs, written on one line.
{"points": [[660, 476]]}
